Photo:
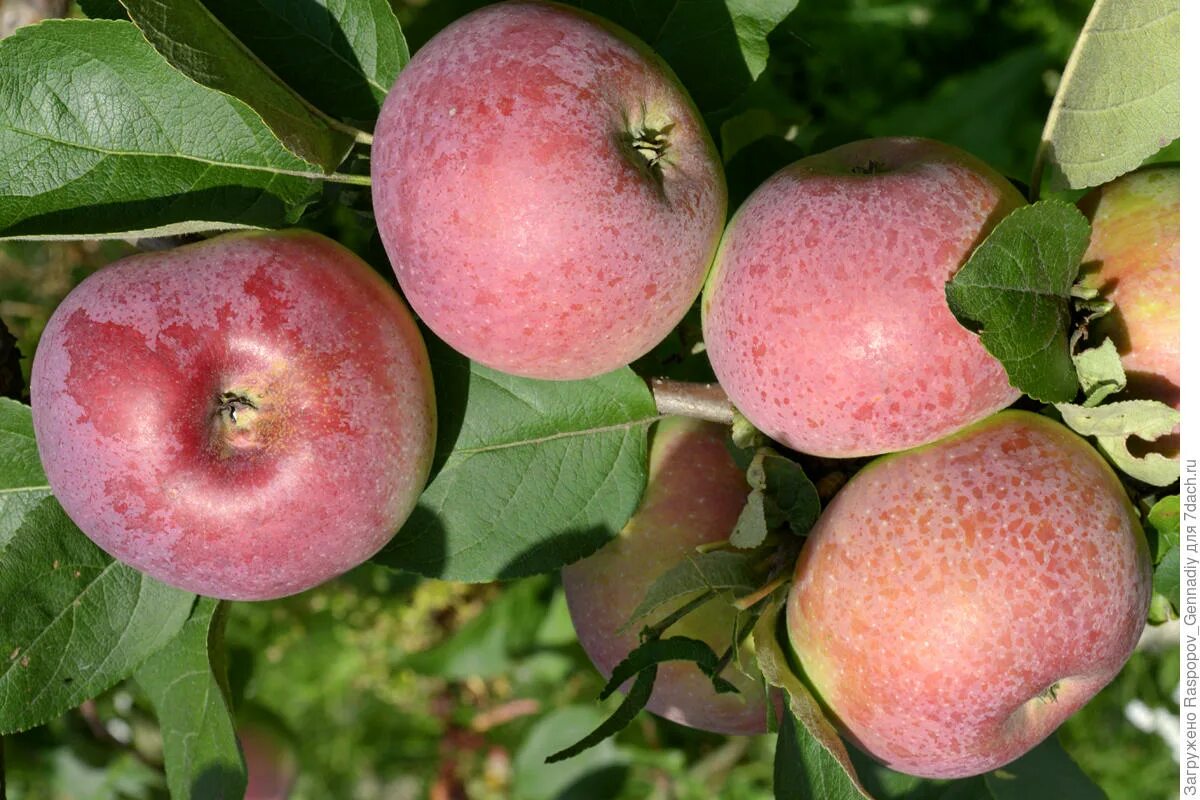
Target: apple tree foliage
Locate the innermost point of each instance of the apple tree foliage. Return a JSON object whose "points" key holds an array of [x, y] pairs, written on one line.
{"points": [[157, 118]]}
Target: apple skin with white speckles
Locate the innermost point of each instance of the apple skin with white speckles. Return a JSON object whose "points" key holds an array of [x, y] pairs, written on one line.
{"points": [[694, 496], [523, 225], [947, 589], [825, 314], [244, 418], [1133, 259]]}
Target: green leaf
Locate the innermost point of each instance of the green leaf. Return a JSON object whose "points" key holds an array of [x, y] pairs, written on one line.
{"points": [[1016, 288], [23, 484], [534, 474], [340, 55], [1113, 423], [1118, 100], [780, 494], [1044, 773], [185, 682], [751, 528], [811, 761], [75, 621], [653, 652], [804, 769], [716, 47], [717, 570], [635, 700], [791, 497], [198, 45], [101, 138], [1100, 372], [1164, 519]]}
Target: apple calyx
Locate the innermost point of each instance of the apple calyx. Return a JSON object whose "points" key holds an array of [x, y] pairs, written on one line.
{"points": [[1050, 693], [231, 403], [652, 143], [240, 424]]}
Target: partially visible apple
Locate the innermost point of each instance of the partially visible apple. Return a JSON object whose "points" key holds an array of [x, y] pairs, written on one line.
{"points": [[694, 496], [1133, 259], [546, 190], [955, 603], [271, 766], [244, 418], [825, 314]]}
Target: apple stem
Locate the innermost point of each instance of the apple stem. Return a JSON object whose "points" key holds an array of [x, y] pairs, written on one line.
{"points": [[872, 167], [706, 401]]}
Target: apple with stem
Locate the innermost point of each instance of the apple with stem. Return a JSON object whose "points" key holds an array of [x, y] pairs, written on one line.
{"points": [[243, 418], [955, 603], [546, 191], [694, 496], [825, 314]]}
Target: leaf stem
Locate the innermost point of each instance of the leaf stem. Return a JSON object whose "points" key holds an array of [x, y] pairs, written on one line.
{"points": [[656, 630], [360, 136], [342, 177], [706, 401], [727, 657]]}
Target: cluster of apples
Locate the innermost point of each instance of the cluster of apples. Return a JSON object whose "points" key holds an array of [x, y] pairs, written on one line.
{"points": [[252, 415]]}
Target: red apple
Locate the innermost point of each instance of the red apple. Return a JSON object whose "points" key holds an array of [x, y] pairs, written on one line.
{"points": [[825, 314], [694, 496], [1133, 259], [243, 418], [547, 192], [955, 603]]}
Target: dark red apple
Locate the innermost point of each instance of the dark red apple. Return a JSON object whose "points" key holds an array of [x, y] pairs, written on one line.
{"points": [[243, 418]]}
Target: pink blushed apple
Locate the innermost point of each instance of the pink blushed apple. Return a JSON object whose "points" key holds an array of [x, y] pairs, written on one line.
{"points": [[547, 192], [271, 764], [244, 418], [955, 603], [694, 496], [825, 314], [1133, 259]]}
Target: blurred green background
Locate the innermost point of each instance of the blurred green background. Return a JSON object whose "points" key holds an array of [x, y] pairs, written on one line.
{"points": [[382, 686]]}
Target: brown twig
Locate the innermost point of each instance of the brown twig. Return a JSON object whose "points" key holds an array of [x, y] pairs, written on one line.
{"points": [[706, 401]]}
